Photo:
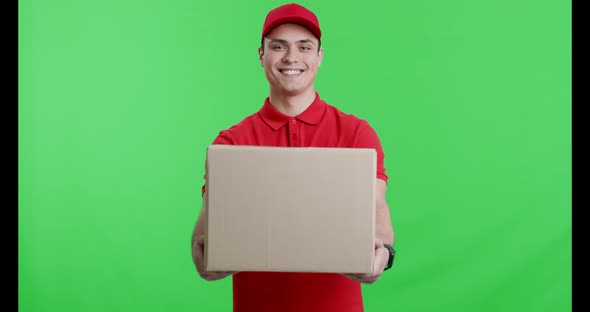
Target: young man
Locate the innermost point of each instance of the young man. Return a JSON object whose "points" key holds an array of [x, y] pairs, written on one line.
{"points": [[294, 115]]}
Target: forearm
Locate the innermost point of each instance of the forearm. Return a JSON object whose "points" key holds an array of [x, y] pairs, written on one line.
{"points": [[383, 227]]}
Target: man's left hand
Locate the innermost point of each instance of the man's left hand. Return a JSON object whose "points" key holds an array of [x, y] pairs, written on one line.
{"points": [[381, 258]]}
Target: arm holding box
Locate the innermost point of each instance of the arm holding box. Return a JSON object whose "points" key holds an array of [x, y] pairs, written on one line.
{"points": [[383, 235], [198, 250]]}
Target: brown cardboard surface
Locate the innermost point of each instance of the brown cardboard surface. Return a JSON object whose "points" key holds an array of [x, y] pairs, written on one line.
{"points": [[290, 209]]}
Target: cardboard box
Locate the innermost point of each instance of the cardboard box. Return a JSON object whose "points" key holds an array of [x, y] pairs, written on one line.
{"points": [[290, 209]]}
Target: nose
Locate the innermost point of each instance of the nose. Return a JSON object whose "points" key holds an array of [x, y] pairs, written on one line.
{"points": [[289, 57]]}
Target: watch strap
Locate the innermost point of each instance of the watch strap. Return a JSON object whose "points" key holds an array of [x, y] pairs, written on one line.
{"points": [[391, 256]]}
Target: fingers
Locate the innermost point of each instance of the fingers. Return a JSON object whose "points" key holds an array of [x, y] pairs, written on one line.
{"points": [[378, 267], [198, 253], [212, 276], [362, 278], [200, 238], [198, 257], [218, 275], [381, 258], [378, 243]]}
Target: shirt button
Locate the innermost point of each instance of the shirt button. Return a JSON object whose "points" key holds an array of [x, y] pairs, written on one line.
{"points": [[294, 121]]}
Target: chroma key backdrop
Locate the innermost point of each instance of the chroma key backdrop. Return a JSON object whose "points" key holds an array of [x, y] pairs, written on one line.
{"points": [[118, 101]]}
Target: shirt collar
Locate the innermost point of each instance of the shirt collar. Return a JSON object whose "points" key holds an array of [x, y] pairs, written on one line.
{"points": [[275, 119]]}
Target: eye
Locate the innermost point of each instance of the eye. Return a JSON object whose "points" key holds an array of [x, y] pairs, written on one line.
{"points": [[305, 48], [278, 47]]}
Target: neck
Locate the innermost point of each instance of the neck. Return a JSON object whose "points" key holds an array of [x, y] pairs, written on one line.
{"points": [[292, 104]]}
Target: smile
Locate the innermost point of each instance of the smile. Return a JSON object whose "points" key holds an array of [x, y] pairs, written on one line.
{"points": [[289, 72]]}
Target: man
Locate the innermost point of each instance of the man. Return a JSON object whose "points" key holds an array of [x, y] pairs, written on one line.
{"points": [[294, 115]]}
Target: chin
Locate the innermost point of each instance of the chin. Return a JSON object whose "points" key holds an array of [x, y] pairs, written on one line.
{"points": [[294, 89], [291, 91]]}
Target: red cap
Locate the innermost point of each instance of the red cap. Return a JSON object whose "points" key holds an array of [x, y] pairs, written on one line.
{"points": [[292, 13]]}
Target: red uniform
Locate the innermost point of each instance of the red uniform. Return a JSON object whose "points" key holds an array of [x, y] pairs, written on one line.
{"points": [[320, 125]]}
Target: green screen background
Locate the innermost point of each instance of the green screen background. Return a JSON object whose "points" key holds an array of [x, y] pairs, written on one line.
{"points": [[118, 101]]}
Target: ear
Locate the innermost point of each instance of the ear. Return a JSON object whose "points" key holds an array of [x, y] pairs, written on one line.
{"points": [[260, 54], [320, 56]]}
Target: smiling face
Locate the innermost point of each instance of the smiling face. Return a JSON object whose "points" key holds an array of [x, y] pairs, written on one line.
{"points": [[290, 59]]}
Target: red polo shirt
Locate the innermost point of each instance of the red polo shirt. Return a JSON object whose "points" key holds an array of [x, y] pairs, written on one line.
{"points": [[320, 125]]}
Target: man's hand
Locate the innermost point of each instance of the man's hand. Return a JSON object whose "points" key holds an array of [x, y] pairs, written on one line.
{"points": [[381, 257], [199, 259]]}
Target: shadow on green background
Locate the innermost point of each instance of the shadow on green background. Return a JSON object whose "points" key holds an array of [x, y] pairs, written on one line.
{"points": [[118, 101]]}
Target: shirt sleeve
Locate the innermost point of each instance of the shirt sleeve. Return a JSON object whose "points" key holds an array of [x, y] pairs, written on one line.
{"points": [[367, 138], [222, 138]]}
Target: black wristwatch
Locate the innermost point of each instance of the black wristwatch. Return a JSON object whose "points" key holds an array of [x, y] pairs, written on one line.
{"points": [[391, 256]]}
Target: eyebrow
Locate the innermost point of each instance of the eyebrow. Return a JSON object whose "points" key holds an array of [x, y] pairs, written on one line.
{"points": [[276, 40]]}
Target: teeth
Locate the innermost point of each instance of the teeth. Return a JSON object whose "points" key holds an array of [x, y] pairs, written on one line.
{"points": [[291, 71]]}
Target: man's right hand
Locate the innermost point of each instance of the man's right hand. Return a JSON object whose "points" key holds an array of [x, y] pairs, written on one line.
{"points": [[199, 260]]}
